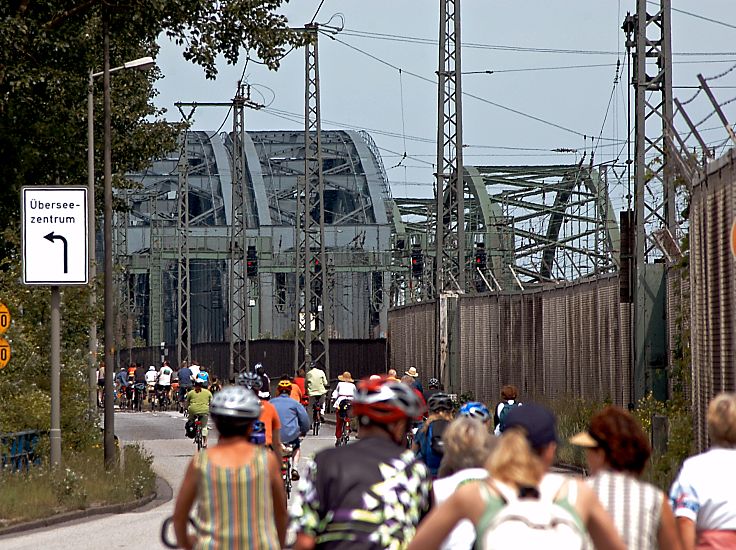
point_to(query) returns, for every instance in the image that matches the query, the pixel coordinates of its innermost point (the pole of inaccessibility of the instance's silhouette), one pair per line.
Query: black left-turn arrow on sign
(51, 237)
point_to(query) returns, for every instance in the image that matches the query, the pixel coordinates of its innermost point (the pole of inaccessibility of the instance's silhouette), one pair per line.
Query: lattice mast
(449, 190)
(239, 285)
(312, 293)
(654, 191)
(183, 336)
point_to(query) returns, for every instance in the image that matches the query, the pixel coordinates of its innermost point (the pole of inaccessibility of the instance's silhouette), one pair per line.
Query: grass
(81, 483)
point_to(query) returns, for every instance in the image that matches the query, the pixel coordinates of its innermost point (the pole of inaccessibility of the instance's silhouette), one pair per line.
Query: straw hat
(412, 372)
(345, 377)
(584, 439)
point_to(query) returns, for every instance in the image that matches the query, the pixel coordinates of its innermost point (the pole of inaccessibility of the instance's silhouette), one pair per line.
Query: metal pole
(55, 377)
(92, 342)
(109, 429)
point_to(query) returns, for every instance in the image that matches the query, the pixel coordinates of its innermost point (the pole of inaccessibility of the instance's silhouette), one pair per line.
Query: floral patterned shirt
(369, 495)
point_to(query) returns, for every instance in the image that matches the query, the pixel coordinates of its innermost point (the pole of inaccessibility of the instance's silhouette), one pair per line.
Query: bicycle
(286, 466)
(316, 417)
(198, 438)
(344, 418)
(139, 396)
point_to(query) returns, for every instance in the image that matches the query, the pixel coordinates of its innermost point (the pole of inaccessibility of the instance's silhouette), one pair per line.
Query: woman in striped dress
(237, 486)
(617, 451)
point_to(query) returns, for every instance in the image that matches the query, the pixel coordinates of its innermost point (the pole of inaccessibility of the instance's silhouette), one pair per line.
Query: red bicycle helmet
(385, 401)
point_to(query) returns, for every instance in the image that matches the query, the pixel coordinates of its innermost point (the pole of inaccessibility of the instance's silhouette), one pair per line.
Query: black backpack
(435, 432)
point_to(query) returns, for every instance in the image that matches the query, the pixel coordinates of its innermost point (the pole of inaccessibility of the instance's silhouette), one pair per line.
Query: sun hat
(345, 377)
(538, 423)
(412, 372)
(584, 439)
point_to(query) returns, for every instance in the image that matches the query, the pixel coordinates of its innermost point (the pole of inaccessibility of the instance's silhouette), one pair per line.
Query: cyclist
(265, 380)
(204, 376)
(317, 388)
(164, 379)
(373, 493)
(342, 398)
(185, 381)
(121, 380)
(294, 421)
(428, 439)
(151, 377)
(300, 381)
(269, 417)
(433, 386)
(478, 411)
(198, 405)
(240, 500)
(139, 376)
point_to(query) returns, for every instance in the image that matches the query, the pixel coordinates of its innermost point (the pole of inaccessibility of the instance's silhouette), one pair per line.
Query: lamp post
(142, 63)
(109, 426)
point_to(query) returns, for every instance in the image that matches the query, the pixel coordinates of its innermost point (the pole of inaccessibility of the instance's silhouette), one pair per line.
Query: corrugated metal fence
(360, 357)
(713, 286)
(565, 340)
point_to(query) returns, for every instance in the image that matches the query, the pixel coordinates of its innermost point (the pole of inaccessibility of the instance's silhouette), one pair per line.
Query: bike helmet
(284, 386)
(151, 368)
(439, 402)
(235, 402)
(475, 409)
(259, 368)
(433, 383)
(250, 380)
(385, 401)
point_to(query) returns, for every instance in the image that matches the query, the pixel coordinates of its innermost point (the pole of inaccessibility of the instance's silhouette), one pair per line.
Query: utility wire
(481, 99)
(697, 16)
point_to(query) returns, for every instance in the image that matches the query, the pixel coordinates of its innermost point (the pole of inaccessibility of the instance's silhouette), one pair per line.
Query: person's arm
(279, 497)
(440, 522)
(687, 532)
(184, 503)
(600, 526)
(668, 536)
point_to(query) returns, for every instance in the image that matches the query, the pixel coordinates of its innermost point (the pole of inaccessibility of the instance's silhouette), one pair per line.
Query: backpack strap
(563, 491)
(492, 505)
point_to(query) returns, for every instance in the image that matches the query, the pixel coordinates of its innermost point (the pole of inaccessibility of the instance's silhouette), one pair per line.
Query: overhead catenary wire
(473, 96)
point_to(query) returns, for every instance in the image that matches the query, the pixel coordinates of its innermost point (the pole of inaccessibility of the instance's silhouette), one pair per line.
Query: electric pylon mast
(183, 340)
(449, 190)
(311, 285)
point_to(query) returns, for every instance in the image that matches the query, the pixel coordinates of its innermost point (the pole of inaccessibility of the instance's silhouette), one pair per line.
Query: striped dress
(635, 507)
(234, 505)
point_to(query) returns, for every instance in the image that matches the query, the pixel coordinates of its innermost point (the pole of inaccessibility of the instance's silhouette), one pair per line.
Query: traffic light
(251, 261)
(481, 257)
(317, 267)
(417, 260)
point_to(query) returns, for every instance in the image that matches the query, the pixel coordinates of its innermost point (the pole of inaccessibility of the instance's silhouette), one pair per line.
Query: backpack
(532, 523)
(507, 407)
(431, 448)
(190, 429)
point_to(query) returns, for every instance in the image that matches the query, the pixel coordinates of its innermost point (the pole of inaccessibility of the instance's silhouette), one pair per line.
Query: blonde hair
(722, 420)
(467, 444)
(514, 462)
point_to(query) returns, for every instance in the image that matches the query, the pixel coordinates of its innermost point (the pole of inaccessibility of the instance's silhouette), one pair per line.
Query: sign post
(55, 244)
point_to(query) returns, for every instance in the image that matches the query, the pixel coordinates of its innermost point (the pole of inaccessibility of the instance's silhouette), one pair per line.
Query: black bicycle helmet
(433, 383)
(235, 402)
(439, 402)
(250, 380)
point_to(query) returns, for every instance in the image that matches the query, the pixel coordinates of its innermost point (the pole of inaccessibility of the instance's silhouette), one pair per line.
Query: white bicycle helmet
(235, 402)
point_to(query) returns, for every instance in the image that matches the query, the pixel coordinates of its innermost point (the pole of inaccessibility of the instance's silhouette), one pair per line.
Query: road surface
(162, 434)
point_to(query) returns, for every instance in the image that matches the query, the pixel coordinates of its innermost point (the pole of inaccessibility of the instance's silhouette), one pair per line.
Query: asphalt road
(162, 434)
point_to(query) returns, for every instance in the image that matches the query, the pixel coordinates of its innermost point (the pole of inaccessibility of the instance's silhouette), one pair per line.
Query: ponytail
(514, 462)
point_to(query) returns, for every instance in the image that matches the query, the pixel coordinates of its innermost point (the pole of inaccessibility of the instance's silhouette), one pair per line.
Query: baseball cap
(537, 421)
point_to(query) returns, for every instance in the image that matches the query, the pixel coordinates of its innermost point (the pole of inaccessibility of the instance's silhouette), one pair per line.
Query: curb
(163, 489)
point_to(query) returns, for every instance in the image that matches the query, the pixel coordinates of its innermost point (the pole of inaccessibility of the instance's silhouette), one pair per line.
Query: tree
(47, 48)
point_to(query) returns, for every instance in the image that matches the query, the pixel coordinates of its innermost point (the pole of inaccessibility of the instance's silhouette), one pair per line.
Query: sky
(531, 104)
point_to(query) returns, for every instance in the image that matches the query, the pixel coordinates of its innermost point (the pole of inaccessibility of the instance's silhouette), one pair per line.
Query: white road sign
(55, 235)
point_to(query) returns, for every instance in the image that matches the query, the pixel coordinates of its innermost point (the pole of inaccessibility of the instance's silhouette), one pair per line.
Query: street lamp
(141, 64)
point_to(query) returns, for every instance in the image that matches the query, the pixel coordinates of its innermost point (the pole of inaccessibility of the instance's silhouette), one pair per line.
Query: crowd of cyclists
(423, 471)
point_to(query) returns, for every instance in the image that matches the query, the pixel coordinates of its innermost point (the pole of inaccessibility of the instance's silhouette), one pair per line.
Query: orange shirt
(270, 419)
(296, 393)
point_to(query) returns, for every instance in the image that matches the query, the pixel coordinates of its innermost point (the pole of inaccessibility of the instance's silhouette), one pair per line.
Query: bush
(44, 491)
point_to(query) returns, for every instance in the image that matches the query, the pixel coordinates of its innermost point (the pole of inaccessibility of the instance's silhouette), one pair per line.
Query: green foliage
(573, 416)
(84, 482)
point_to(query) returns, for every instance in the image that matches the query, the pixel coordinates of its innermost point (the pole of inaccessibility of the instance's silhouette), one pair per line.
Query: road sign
(55, 229)
(4, 318)
(4, 352)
